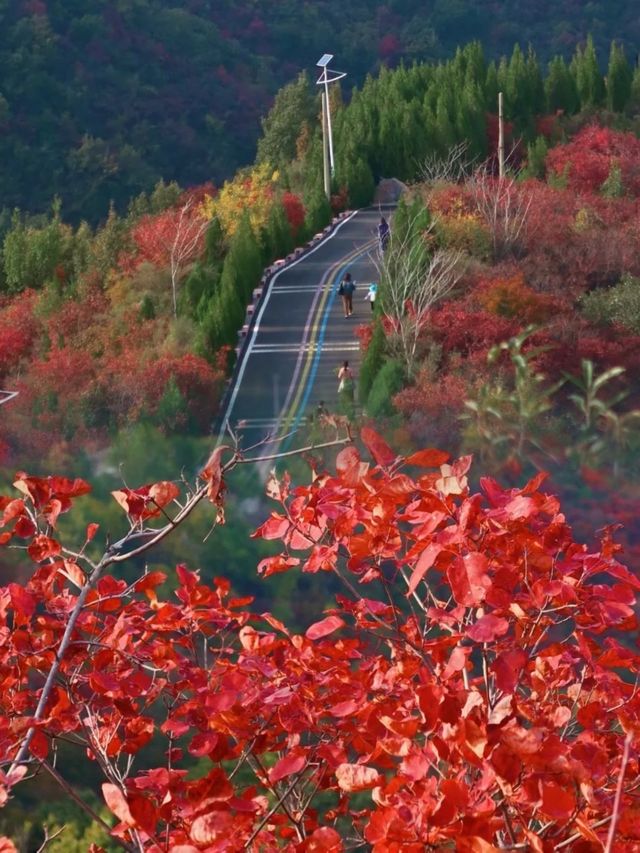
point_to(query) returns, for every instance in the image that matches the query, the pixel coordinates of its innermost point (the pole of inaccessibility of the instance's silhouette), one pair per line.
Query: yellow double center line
(329, 284)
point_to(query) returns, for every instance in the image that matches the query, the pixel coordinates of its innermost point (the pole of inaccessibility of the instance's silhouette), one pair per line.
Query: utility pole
(327, 133)
(328, 172)
(500, 136)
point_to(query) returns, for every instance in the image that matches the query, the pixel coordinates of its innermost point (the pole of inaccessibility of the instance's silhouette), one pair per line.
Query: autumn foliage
(472, 687)
(587, 160)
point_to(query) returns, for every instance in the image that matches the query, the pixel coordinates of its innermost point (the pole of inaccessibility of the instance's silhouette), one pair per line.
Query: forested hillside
(435, 659)
(98, 103)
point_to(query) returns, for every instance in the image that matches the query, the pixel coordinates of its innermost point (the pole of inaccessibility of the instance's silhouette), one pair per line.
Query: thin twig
(67, 788)
(616, 802)
(48, 838)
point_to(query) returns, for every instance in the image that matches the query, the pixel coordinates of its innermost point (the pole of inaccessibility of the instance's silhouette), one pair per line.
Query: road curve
(300, 335)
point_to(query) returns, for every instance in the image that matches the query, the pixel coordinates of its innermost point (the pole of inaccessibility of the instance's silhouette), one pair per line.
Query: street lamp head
(324, 60)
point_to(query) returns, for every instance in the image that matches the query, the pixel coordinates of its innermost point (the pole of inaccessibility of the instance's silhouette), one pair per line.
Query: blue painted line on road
(316, 360)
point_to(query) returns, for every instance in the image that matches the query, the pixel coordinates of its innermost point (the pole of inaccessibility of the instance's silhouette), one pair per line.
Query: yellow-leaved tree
(251, 189)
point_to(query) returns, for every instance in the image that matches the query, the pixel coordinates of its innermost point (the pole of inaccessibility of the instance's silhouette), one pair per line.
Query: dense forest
(97, 105)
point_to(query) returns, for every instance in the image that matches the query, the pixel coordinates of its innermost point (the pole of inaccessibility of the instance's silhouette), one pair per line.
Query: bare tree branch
(189, 233)
(504, 205)
(413, 278)
(455, 167)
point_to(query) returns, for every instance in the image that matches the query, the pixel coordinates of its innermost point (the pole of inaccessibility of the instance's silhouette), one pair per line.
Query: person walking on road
(346, 391)
(347, 286)
(345, 380)
(384, 234)
(371, 294)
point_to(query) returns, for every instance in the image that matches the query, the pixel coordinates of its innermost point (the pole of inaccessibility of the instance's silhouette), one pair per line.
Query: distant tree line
(402, 117)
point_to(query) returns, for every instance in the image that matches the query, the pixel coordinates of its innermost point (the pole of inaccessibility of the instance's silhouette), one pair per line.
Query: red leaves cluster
(147, 501)
(154, 236)
(19, 329)
(467, 688)
(587, 159)
(294, 211)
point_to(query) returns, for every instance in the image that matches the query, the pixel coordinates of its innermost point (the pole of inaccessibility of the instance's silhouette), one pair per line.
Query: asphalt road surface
(301, 337)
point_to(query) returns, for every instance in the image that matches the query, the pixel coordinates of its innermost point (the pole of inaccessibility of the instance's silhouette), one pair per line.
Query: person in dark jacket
(347, 286)
(384, 234)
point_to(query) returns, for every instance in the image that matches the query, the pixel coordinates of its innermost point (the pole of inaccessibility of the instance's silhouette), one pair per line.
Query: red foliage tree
(19, 330)
(466, 689)
(169, 239)
(294, 211)
(588, 158)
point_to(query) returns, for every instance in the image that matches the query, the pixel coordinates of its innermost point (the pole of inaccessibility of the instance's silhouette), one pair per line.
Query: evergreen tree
(536, 158)
(360, 183)
(81, 251)
(215, 247)
(294, 106)
(32, 254)
(109, 242)
(586, 72)
(619, 79)
(445, 131)
(228, 315)
(535, 84)
(471, 123)
(491, 88)
(635, 88)
(390, 141)
(243, 263)
(318, 211)
(373, 360)
(199, 288)
(523, 91)
(277, 240)
(476, 65)
(560, 88)
(613, 186)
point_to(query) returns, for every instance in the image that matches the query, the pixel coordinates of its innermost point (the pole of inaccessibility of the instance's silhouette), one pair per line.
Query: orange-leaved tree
(473, 688)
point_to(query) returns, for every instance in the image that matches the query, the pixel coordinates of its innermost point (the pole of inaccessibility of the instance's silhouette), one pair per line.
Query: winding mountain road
(300, 335)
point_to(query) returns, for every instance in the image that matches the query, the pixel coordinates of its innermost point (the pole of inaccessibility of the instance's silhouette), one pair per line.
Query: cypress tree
(277, 239)
(318, 211)
(389, 141)
(491, 88)
(586, 72)
(294, 105)
(619, 78)
(476, 65)
(560, 87)
(517, 91)
(536, 157)
(232, 303)
(215, 247)
(635, 87)
(360, 183)
(373, 360)
(243, 262)
(535, 84)
(470, 123)
(445, 132)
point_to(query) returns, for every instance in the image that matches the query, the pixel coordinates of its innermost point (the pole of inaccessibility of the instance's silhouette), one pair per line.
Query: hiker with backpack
(345, 290)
